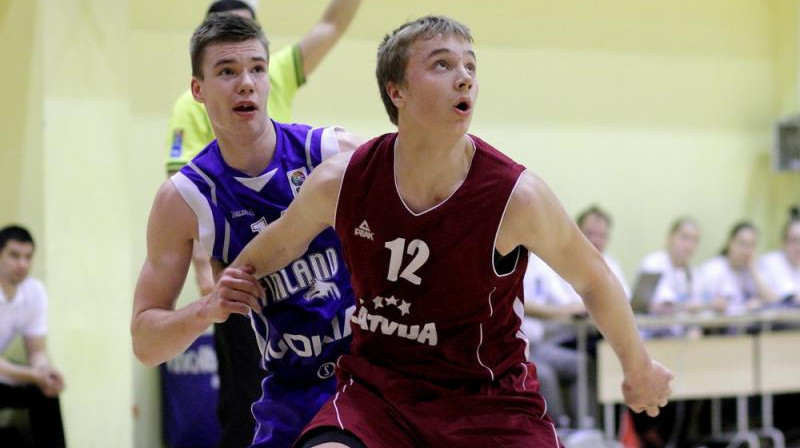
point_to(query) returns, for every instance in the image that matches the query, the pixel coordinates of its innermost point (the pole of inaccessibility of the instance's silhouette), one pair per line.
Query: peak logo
(364, 231)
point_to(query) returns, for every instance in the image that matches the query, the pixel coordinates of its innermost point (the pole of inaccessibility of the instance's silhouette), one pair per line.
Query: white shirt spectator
(676, 285)
(719, 279)
(543, 285)
(24, 314)
(779, 274)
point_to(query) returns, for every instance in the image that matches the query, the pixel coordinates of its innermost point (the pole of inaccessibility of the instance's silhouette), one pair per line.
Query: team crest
(296, 178)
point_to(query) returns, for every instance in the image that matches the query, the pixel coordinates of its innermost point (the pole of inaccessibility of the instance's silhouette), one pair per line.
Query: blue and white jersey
(304, 324)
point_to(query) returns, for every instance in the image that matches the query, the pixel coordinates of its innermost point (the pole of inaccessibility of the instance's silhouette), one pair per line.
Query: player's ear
(197, 92)
(396, 94)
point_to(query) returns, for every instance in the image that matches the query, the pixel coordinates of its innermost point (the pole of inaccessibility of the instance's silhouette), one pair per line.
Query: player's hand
(48, 380)
(647, 389)
(236, 291)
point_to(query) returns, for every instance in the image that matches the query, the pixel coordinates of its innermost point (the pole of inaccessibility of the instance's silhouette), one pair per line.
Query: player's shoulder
(33, 286)
(772, 258)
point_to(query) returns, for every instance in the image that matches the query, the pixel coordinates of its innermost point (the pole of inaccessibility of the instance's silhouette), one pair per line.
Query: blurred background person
(35, 385)
(730, 282)
(549, 301)
(781, 268)
(677, 286)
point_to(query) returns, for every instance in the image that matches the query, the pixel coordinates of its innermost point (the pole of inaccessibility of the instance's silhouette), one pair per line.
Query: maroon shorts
(507, 413)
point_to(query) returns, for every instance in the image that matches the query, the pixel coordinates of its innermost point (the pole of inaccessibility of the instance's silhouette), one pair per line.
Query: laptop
(643, 291)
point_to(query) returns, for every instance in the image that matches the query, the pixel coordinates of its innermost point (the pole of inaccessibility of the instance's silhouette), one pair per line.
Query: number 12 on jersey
(418, 249)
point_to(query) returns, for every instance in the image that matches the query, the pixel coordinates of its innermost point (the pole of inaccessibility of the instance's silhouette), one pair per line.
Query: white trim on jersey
(309, 134)
(262, 342)
(480, 342)
(519, 311)
(257, 183)
(329, 144)
(199, 205)
(497, 233)
(397, 189)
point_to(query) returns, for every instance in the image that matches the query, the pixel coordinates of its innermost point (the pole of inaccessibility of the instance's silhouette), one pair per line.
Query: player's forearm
(613, 316)
(38, 359)
(20, 373)
(270, 251)
(340, 13)
(160, 334)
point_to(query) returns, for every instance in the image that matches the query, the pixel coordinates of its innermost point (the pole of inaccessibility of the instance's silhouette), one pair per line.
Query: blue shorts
(285, 409)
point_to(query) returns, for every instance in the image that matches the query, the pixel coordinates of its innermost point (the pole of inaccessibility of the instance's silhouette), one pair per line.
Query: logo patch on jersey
(177, 143)
(239, 213)
(321, 289)
(326, 370)
(363, 231)
(296, 178)
(259, 225)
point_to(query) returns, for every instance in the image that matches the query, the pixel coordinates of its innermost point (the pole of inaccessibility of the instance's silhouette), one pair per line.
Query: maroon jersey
(430, 304)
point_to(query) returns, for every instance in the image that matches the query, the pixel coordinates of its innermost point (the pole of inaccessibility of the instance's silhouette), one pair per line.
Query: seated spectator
(781, 268)
(676, 292)
(549, 300)
(595, 224)
(730, 283)
(549, 297)
(677, 286)
(34, 386)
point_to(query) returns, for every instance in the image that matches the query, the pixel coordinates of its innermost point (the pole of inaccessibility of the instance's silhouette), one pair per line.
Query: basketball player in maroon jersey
(435, 225)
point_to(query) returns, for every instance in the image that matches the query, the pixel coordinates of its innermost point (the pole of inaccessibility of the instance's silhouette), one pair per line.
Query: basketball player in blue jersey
(227, 194)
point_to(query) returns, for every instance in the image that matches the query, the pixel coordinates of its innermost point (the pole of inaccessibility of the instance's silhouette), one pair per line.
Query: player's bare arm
(348, 142)
(159, 331)
(323, 35)
(536, 219)
(312, 211)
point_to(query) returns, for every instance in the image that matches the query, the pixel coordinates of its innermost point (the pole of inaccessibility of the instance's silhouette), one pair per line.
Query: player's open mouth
(245, 107)
(463, 106)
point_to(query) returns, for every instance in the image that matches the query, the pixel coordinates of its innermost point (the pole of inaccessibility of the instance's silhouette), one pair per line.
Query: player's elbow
(144, 355)
(143, 349)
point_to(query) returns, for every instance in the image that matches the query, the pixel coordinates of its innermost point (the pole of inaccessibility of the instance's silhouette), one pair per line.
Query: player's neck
(249, 154)
(428, 171)
(9, 289)
(793, 262)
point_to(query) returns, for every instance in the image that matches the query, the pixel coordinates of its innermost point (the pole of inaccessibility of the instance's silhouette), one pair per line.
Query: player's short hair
(393, 51)
(15, 233)
(221, 6)
(593, 210)
(219, 28)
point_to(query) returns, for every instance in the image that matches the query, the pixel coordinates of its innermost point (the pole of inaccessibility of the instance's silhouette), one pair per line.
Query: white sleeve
(35, 322)
(329, 144)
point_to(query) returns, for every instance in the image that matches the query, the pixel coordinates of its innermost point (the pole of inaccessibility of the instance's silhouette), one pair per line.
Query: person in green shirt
(190, 131)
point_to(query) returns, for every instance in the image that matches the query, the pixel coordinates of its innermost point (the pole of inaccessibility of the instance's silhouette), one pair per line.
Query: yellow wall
(21, 118)
(652, 110)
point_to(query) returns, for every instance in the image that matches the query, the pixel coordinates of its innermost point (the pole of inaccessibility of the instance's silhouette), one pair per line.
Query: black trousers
(240, 376)
(44, 413)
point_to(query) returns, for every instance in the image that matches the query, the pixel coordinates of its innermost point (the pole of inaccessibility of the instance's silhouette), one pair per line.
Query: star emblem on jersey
(405, 308)
(364, 231)
(382, 322)
(387, 302)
